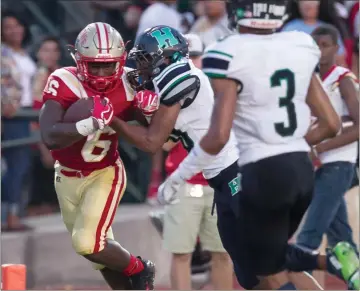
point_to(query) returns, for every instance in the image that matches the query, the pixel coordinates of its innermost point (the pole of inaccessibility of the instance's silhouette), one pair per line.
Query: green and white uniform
(183, 82)
(274, 73)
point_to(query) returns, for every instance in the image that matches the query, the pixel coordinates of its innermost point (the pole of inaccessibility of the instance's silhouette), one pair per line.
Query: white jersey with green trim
(194, 117)
(274, 73)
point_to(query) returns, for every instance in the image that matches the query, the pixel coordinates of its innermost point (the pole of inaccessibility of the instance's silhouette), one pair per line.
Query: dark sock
(135, 266)
(116, 280)
(299, 258)
(288, 286)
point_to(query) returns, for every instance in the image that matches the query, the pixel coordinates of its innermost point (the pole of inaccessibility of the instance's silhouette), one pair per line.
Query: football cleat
(344, 263)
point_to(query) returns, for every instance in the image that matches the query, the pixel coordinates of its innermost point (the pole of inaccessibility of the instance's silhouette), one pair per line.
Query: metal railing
(33, 115)
(22, 114)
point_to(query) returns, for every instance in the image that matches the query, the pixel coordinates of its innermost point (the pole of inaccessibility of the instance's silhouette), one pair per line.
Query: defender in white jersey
(186, 101)
(264, 84)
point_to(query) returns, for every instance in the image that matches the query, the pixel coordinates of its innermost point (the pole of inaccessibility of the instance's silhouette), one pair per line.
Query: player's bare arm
(328, 121)
(225, 91)
(56, 134)
(151, 138)
(349, 134)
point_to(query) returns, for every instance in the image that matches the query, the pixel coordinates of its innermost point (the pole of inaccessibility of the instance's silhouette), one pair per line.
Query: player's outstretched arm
(56, 134)
(349, 134)
(151, 138)
(328, 124)
(218, 134)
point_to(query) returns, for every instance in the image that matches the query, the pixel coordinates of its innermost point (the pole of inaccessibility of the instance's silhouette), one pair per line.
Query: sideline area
(52, 265)
(50, 260)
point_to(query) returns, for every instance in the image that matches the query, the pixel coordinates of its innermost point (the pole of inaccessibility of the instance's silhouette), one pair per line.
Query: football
(80, 110)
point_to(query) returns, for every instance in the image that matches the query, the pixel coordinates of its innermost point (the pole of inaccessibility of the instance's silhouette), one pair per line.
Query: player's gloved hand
(103, 111)
(168, 192)
(101, 115)
(148, 102)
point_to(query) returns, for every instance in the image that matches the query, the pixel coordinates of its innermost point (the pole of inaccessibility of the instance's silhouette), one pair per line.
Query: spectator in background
(14, 34)
(188, 20)
(42, 195)
(213, 25)
(11, 89)
(110, 11)
(327, 213)
(192, 216)
(122, 15)
(307, 15)
(10, 99)
(199, 9)
(339, 18)
(48, 56)
(133, 14)
(160, 12)
(354, 27)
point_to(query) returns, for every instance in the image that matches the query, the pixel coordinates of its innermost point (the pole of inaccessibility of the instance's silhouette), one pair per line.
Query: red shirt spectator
(354, 20)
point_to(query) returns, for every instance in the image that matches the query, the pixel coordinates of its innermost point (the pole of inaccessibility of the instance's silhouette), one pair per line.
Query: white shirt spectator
(28, 68)
(209, 33)
(196, 47)
(159, 14)
(341, 10)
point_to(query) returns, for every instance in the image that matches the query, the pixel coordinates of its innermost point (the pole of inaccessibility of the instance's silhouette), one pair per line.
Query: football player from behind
(186, 101)
(266, 95)
(90, 178)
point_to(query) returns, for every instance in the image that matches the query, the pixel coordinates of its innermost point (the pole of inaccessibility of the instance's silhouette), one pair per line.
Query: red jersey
(96, 151)
(173, 160)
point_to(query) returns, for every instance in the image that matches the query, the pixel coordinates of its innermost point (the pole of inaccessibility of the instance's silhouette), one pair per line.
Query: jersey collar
(328, 72)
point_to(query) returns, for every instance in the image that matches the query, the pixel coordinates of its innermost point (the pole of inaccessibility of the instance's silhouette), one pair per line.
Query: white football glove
(168, 192)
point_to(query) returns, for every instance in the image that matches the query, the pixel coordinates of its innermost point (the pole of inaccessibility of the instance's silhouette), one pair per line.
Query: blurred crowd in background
(34, 38)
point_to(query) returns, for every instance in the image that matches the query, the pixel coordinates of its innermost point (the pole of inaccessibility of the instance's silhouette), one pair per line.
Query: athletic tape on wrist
(85, 127)
(195, 162)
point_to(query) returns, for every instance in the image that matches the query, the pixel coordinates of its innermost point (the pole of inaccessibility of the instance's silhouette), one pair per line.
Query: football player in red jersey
(90, 178)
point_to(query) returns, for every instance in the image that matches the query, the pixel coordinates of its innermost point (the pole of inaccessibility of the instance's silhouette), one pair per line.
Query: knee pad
(299, 258)
(83, 242)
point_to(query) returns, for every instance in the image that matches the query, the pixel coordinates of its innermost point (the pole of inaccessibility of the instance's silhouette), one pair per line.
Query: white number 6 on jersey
(95, 142)
(52, 87)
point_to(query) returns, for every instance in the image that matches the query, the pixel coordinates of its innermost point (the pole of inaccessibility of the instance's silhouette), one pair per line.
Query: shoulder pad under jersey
(175, 83)
(64, 87)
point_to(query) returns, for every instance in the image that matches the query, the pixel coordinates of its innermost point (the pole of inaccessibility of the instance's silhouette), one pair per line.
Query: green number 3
(286, 101)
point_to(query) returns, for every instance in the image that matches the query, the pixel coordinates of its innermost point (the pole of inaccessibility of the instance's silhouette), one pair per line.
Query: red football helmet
(97, 45)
